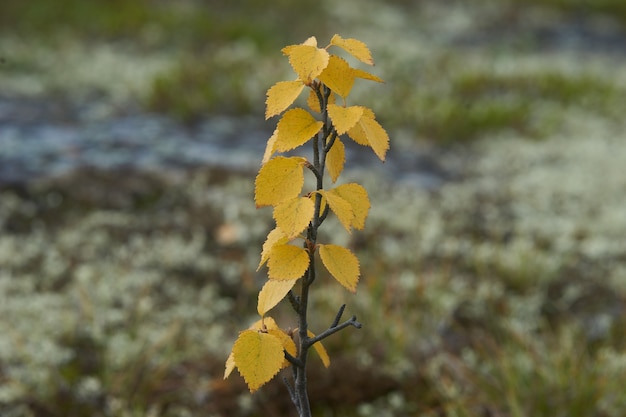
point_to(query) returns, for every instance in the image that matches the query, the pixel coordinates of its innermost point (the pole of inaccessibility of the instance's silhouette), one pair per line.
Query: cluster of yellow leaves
(258, 353)
(297, 126)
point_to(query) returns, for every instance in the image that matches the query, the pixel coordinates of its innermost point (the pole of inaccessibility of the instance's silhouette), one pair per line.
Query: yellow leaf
(338, 76)
(344, 118)
(367, 76)
(269, 148)
(308, 61)
(281, 95)
(275, 237)
(335, 158)
(266, 323)
(314, 103)
(287, 262)
(288, 344)
(342, 265)
(321, 350)
(354, 47)
(356, 195)
(295, 128)
(341, 208)
(293, 216)
(258, 356)
(368, 132)
(279, 179)
(272, 293)
(311, 41)
(230, 365)
(322, 202)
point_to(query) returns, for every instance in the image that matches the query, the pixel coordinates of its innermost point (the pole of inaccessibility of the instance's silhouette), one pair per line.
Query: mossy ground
(500, 293)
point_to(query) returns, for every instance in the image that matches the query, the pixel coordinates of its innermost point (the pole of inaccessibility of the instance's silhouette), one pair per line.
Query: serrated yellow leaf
(354, 47)
(265, 323)
(269, 148)
(321, 350)
(275, 237)
(288, 344)
(367, 76)
(272, 293)
(258, 356)
(356, 195)
(293, 216)
(369, 132)
(342, 265)
(338, 76)
(230, 365)
(282, 95)
(311, 41)
(341, 208)
(287, 262)
(344, 118)
(313, 102)
(295, 128)
(322, 202)
(335, 159)
(279, 179)
(308, 61)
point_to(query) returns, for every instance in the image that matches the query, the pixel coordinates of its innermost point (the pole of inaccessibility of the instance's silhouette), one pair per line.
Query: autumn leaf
(269, 148)
(307, 60)
(281, 95)
(366, 75)
(338, 76)
(354, 47)
(258, 357)
(293, 216)
(311, 41)
(265, 323)
(287, 262)
(287, 342)
(279, 179)
(230, 365)
(272, 293)
(356, 195)
(369, 132)
(344, 118)
(295, 128)
(314, 103)
(321, 350)
(335, 159)
(341, 208)
(360, 138)
(275, 237)
(342, 265)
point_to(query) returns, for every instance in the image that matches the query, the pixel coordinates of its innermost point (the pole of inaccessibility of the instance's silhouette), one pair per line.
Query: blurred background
(493, 260)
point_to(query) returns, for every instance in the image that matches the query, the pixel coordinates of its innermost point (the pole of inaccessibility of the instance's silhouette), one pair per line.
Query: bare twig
(332, 330)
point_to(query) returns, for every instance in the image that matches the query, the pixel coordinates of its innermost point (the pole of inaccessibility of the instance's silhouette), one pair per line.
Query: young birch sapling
(264, 349)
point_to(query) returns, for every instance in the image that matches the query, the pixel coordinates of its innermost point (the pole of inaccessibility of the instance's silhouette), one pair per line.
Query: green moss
(204, 86)
(169, 23)
(204, 81)
(457, 104)
(615, 9)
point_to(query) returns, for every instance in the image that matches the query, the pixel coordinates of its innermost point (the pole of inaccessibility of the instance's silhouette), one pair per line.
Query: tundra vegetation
(503, 289)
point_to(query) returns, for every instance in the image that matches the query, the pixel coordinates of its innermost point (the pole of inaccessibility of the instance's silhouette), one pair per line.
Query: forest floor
(493, 261)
